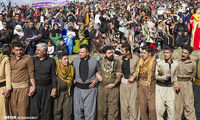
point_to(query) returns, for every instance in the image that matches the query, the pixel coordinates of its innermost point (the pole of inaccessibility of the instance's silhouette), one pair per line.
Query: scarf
(21, 33)
(87, 18)
(144, 67)
(81, 32)
(1, 57)
(197, 19)
(66, 74)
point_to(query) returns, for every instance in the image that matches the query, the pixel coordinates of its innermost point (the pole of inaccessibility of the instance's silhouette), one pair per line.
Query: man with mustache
(108, 89)
(185, 97)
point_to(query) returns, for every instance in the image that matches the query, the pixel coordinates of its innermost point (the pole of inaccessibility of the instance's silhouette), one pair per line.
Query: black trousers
(196, 90)
(41, 103)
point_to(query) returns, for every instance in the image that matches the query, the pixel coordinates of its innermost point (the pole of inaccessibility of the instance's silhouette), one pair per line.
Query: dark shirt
(45, 33)
(14, 23)
(83, 69)
(62, 48)
(70, 18)
(45, 72)
(169, 80)
(31, 32)
(126, 68)
(5, 36)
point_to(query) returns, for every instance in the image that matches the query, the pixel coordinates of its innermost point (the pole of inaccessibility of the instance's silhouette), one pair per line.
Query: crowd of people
(127, 81)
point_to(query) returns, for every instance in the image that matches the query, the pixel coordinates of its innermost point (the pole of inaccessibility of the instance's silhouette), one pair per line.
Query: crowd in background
(100, 23)
(126, 81)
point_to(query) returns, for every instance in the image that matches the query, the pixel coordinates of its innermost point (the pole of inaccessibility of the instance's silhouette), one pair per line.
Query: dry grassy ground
(177, 54)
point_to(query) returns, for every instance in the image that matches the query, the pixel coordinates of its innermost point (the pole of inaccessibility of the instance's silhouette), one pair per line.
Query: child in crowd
(62, 47)
(51, 49)
(69, 40)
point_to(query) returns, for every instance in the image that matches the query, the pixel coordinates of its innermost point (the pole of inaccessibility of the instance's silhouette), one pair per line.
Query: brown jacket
(22, 69)
(186, 70)
(109, 77)
(5, 72)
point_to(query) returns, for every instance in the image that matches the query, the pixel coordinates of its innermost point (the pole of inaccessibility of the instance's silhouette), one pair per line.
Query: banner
(49, 4)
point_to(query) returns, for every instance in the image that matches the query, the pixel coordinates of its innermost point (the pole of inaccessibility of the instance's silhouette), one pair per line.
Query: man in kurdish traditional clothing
(196, 88)
(185, 96)
(41, 103)
(22, 73)
(85, 91)
(166, 85)
(108, 89)
(145, 73)
(128, 87)
(5, 84)
(63, 101)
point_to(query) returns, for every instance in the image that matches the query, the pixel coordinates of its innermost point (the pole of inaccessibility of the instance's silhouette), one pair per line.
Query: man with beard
(85, 91)
(185, 97)
(128, 87)
(166, 85)
(108, 89)
(145, 74)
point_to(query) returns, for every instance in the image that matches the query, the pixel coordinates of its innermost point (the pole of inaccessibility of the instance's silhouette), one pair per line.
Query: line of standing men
(34, 85)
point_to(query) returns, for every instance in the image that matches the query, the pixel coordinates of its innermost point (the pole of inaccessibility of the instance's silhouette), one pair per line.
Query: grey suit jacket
(93, 68)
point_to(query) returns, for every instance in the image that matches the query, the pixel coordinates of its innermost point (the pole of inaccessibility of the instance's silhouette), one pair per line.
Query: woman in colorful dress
(195, 36)
(83, 37)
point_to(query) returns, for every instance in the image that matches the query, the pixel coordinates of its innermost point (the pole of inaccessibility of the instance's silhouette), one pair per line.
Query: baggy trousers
(107, 103)
(129, 103)
(196, 89)
(165, 99)
(41, 103)
(63, 106)
(19, 102)
(3, 105)
(147, 101)
(185, 101)
(85, 103)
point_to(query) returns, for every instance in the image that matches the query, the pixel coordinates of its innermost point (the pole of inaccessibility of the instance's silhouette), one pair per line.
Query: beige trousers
(185, 101)
(3, 104)
(165, 99)
(107, 103)
(129, 101)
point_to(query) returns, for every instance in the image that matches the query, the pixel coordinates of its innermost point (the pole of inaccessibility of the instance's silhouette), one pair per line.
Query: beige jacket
(5, 72)
(165, 68)
(133, 64)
